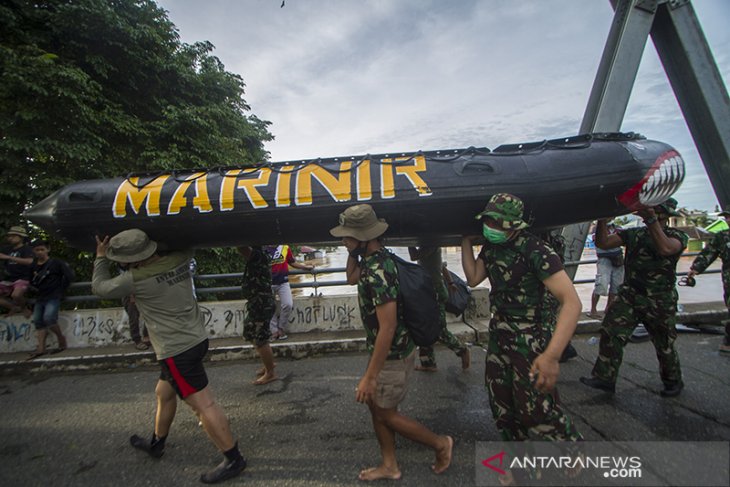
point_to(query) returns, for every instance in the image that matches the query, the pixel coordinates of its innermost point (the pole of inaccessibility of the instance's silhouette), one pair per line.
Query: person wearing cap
(18, 271)
(383, 386)
(430, 259)
(522, 364)
(648, 295)
(162, 286)
(719, 246)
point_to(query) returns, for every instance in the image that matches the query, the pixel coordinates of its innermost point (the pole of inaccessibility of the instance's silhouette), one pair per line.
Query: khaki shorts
(392, 382)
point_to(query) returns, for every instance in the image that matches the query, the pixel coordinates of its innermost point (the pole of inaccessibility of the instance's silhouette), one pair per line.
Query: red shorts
(185, 370)
(7, 287)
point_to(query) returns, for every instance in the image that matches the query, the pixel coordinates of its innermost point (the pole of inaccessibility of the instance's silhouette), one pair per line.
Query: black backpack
(458, 295)
(419, 303)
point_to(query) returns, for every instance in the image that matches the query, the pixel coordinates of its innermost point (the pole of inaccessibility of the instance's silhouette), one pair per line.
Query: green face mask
(494, 236)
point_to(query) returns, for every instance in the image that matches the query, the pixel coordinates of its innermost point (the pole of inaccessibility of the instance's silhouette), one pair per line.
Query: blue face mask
(494, 236)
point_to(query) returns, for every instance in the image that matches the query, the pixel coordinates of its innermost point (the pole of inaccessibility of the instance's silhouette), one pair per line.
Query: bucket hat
(17, 230)
(669, 207)
(506, 209)
(130, 246)
(359, 222)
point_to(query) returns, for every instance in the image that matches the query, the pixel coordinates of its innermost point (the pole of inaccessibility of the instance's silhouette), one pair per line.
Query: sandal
(141, 346)
(36, 354)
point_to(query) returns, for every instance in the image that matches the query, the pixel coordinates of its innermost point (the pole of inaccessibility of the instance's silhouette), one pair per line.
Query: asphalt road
(72, 429)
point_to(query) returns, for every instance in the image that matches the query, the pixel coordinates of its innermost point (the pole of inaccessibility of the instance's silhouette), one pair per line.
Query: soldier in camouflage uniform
(551, 305)
(260, 307)
(392, 351)
(648, 295)
(719, 246)
(430, 259)
(522, 364)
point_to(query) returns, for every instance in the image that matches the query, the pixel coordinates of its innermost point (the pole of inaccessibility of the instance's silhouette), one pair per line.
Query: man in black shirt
(50, 279)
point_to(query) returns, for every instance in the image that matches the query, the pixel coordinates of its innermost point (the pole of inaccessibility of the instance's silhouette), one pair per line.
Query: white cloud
(364, 76)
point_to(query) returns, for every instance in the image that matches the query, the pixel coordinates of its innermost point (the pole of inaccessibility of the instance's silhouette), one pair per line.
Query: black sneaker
(155, 451)
(672, 389)
(226, 470)
(569, 353)
(597, 383)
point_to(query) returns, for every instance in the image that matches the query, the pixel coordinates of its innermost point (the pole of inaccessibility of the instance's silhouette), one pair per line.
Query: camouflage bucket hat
(360, 223)
(669, 207)
(505, 209)
(130, 246)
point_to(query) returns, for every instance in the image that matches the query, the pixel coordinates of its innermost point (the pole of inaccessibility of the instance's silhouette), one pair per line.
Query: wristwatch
(650, 220)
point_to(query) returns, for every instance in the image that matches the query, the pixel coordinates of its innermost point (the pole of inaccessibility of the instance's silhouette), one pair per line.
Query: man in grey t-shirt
(162, 286)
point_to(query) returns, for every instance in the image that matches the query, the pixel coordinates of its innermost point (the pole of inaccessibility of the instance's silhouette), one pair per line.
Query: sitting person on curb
(430, 259)
(260, 308)
(392, 351)
(18, 272)
(51, 278)
(162, 286)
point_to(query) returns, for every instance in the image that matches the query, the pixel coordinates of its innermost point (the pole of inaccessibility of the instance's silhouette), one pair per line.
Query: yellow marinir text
(201, 202)
(130, 190)
(337, 183)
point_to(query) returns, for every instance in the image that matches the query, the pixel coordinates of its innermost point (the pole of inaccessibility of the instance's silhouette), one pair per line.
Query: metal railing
(313, 284)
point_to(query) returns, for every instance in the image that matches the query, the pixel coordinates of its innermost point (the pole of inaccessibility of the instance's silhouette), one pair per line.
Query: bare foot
(262, 371)
(424, 368)
(379, 473)
(465, 359)
(443, 456)
(265, 379)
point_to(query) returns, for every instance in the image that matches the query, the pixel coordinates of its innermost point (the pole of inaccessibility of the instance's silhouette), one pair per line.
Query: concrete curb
(299, 346)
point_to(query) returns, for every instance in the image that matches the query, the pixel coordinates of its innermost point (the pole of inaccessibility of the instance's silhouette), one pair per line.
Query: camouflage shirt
(516, 270)
(257, 276)
(379, 285)
(648, 272)
(719, 246)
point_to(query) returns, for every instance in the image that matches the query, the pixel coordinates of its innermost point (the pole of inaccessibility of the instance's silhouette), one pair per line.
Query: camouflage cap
(669, 207)
(360, 223)
(506, 209)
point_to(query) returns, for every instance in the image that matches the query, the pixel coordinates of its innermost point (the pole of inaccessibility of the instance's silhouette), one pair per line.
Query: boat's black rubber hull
(424, 197)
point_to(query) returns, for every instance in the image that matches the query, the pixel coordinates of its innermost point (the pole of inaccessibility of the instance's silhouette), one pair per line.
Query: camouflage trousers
(426, 354)
(259, 310)
(518, 408)
(659, 317)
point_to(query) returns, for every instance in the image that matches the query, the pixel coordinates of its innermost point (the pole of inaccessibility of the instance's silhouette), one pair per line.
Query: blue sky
(339, 77)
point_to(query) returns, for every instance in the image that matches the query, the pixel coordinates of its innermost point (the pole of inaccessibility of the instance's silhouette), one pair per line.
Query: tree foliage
(100, 88)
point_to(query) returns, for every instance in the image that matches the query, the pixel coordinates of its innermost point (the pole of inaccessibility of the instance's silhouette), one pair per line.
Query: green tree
(100, 88)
